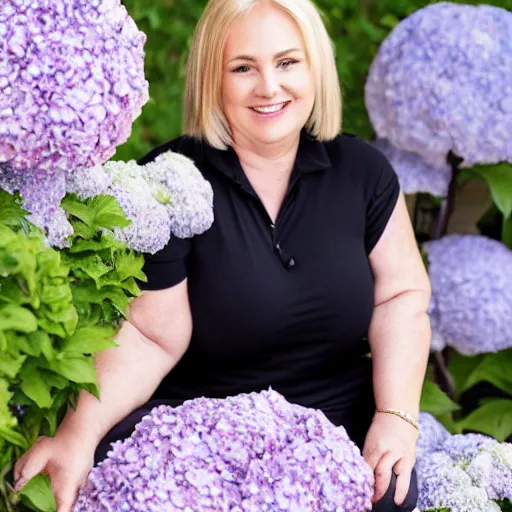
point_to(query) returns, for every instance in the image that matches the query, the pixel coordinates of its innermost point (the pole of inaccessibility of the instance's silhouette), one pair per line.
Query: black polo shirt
(285, 305)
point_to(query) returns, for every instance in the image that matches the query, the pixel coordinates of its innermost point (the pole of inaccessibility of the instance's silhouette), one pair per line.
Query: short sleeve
(384, 191)
(168, 266)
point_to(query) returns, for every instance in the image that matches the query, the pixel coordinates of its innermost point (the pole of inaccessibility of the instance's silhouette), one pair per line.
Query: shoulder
(351, 152)
(184, 145)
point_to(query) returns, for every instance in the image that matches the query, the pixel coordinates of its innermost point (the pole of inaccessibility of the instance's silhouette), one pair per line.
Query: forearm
(127, 377)
(399, 337)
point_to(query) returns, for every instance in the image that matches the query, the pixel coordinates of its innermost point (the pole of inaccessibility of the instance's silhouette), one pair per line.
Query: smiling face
(267, 86)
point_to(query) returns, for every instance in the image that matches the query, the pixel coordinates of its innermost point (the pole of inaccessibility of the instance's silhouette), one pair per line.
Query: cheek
(234, 90)
(301, 85)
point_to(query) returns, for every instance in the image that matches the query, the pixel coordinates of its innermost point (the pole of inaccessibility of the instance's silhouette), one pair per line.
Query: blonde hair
(203, 116)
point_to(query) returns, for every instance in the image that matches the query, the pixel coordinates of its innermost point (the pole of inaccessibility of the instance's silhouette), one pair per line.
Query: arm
(399, 337)
(399, 332)
(151, 342)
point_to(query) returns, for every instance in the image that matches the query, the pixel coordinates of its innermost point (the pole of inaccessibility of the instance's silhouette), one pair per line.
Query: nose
(268, 84)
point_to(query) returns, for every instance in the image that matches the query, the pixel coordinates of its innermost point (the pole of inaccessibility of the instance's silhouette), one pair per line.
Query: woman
(311, 263)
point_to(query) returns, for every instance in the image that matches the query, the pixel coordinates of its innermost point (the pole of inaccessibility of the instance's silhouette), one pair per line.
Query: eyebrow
(276, 56)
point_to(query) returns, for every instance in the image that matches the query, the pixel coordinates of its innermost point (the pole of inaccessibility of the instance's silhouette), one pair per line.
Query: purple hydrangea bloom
(71, 84)
(249, 453)
(413, 173)
(471, 302)
(190, 196)
(432, 435)
(465, 474)
(442, 80)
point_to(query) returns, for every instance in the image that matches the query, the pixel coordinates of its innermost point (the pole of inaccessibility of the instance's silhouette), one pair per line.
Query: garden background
(467, 392)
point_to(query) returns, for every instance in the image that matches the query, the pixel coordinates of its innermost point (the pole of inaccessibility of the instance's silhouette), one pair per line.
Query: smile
(270, 109)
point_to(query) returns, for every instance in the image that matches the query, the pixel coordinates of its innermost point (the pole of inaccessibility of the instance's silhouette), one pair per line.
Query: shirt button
(278, 247)
(291, 263)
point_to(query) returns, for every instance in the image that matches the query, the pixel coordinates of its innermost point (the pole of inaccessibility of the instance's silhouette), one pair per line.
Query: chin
(274, 134)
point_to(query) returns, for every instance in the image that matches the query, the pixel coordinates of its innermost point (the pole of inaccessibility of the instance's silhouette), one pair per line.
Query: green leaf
(67, 316)
(34, 386)
(109, 213)
(17, 319)
(76, 369)
(90, 340)
(42, 341)
(106, 242)
(99, 212)
(10, 365)
(52, 327)
(129, 264)
(6, 418)
(11, 213)
(38, 491)
(91, 264)
(87, 293)
(506, 232)
(461, 367)
(494, 418)
(55, 381)
(494, 368)
(13, 437)
(499, 180)
(435, 401)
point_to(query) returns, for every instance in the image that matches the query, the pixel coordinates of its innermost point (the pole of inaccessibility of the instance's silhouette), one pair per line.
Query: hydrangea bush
(463, 473)
(71, 84)
(441, 81)
(413, 173)
(248, 453)
(471, 306)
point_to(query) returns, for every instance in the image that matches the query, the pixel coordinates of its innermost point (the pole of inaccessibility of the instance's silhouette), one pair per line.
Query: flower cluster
(442, 80)
(249, 453)
(168, 196)
(471, 302)
(465, 473)
(71, 84)
(413, 173)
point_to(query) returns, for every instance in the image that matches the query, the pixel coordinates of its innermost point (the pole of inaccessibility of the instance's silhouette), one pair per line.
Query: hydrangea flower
(71, 84)
(413, 173)
(249, 453)
(432, 435)
(471, 302)
(442, 80)
(465, 473)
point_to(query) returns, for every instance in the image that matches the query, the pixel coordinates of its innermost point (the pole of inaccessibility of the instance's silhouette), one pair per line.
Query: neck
(278, 157)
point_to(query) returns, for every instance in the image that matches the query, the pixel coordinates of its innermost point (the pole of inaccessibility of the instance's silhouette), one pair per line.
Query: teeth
(271, 109)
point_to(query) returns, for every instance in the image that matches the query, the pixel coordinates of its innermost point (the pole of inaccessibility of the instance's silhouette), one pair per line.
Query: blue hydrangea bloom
(71, 84)
(432, 435)
(413, 173)
(471, 306)
(249, 453)
(442, 80)
(465, 473)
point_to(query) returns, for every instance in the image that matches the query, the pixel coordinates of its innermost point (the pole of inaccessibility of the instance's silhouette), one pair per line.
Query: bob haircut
(203, 115)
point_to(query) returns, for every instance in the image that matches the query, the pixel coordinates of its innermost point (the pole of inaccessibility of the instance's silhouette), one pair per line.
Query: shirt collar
(311, 157)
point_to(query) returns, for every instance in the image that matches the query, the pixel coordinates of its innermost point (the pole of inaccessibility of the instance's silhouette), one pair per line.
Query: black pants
(126, 427)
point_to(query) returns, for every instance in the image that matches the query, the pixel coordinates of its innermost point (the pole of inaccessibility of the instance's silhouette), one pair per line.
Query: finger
(383, 475)
(372, 457)
(31, 466)
(65, 494)
(403, 470)
(20, 463)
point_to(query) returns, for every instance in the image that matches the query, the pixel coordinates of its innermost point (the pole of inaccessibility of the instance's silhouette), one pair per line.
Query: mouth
(269, 110)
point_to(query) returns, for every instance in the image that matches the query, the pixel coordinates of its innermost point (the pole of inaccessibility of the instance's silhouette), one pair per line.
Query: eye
(287, 63)
(241, 69)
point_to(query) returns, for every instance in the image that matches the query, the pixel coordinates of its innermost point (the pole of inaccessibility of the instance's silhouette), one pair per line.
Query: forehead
(264, 30)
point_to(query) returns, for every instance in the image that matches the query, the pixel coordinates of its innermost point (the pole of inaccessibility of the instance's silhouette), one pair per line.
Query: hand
(67, 462)
(390, 445)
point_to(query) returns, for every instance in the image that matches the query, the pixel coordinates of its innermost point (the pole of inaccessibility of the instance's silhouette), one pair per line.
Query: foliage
(57, 309)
